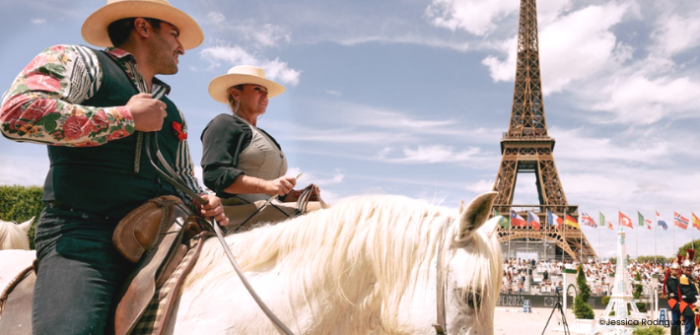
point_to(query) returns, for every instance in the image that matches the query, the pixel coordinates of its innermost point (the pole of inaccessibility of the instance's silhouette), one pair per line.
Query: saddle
(156, 234)
(246, 215)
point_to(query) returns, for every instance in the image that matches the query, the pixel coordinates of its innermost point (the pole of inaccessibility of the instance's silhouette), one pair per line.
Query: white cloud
(38, 21)
(236, 55)
(481, 186)
(676, 32)
(474, 16)
(435, 154)
(481, 17)
(216, 17)
(581, 37)
(640, 100)
(311, 178)
(333, 93)
(261, 35)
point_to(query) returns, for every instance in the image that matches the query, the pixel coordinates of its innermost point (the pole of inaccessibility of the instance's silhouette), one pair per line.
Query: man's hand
(212, 209)
(148, 113)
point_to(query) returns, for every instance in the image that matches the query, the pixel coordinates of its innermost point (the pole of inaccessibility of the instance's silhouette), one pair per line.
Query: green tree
(637, 287)
(582, 310)
(660, 259)
(21, 203)
(695, 245)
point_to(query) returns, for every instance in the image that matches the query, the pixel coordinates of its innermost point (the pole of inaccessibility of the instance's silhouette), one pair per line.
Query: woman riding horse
(241, 162)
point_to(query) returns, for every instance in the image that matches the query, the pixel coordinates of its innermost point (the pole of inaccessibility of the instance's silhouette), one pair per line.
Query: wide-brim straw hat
(94, 29)
(242, 74)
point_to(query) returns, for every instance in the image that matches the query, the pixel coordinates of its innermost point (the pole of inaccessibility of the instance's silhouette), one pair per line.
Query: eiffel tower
(527, 148)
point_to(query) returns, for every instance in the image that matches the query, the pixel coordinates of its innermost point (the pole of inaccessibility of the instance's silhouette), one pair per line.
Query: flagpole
(657, 228)
(674, 238)
(637, 239)
(546, 223)
(510, 234)
(564, 234)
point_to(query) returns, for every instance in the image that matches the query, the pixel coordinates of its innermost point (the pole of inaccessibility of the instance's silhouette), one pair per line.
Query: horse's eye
(473, 299)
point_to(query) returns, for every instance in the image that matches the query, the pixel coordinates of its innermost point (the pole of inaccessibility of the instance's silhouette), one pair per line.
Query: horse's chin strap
(441, 325)
(174, 179)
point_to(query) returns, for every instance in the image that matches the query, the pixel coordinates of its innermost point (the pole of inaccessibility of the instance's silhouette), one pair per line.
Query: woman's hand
(294, 195)
(279, 186)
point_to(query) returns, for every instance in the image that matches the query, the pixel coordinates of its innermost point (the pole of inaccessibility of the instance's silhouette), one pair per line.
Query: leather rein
(151, 140)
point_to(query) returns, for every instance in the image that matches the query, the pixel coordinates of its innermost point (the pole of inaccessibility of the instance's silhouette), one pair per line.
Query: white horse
(14, 236)
(368, 265)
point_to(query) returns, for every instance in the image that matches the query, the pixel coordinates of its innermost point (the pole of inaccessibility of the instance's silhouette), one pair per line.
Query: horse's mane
(382, 242)
(12, 236)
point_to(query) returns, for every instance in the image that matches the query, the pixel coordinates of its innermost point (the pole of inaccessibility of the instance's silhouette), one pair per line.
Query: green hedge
(650, 330)
(21, 203)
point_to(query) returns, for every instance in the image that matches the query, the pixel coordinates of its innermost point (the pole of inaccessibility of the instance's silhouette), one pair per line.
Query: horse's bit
(171, 177)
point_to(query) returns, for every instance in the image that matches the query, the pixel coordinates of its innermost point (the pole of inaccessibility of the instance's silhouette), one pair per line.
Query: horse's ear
(26, 225)
(477, 212)
(462, 206)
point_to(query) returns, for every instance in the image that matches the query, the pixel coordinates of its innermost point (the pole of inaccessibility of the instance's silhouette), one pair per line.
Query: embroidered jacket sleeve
(43, 105)
(223, 139)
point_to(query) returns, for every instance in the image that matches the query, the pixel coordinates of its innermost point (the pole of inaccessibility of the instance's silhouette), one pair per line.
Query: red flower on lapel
(180, 131)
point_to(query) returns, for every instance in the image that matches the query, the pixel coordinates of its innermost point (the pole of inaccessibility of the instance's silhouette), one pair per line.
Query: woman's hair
(232, 103)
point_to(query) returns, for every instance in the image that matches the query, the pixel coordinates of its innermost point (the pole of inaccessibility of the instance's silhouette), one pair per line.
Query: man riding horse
(93, 108)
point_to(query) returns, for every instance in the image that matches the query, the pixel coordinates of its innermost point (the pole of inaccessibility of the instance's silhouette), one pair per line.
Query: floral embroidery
(180, 131)
(43, 103)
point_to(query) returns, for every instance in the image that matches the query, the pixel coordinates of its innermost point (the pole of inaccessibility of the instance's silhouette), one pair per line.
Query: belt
(86, 215)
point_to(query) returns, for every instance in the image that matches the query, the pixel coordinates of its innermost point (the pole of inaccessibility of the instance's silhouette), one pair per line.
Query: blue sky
(412, 97)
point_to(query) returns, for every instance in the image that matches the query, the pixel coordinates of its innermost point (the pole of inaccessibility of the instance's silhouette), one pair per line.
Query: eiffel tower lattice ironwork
(527, 148)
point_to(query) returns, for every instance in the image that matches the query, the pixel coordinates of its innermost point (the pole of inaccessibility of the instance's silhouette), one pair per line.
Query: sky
(412, 97)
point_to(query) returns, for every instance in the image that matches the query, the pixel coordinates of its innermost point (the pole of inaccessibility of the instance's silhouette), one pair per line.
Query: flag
(570, 221)
(680, 221)
(588, 220)
(533, 220)
(601, 218)
(610, 226)
(553, 219)
(624, 220)
(648, 222)
(641, 218)
(517, 220)
(660, 221)
(503, 221)
(696, 221)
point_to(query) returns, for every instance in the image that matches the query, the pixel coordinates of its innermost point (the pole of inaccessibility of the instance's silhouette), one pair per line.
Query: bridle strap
(176, 181)
(441, 325)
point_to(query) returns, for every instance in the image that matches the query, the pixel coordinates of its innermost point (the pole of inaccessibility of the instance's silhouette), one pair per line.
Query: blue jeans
(689, 326)
(79, 273)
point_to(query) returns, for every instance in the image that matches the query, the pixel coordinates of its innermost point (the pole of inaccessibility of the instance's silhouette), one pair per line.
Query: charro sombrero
(94, 29)
(242, 74)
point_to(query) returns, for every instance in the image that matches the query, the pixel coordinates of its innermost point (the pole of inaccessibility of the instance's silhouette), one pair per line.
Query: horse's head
(472, 266)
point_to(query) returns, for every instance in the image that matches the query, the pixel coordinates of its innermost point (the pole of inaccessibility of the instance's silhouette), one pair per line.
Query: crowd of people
(545, 276)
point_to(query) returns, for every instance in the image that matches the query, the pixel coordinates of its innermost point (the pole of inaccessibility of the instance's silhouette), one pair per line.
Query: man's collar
(124, 55)
(119, 53)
